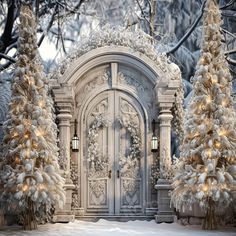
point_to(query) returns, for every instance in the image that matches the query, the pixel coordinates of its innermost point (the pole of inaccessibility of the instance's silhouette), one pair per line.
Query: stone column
(64, 118)
(64, 102)
(166, 89)
(165, 118)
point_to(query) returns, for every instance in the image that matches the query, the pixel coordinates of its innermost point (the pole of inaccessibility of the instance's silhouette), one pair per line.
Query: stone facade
(114, 92)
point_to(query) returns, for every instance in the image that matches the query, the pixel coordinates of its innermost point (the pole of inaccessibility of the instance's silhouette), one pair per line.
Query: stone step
(120, 218)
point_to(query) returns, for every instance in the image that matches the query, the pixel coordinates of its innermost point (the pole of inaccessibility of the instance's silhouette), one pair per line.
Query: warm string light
(17, 160)
(41, 103)
(15, 134)
(205, 187)
(39, 133)
(41, 187)
(222, 132)
(217, 144)
(208, 99)
(25, 187)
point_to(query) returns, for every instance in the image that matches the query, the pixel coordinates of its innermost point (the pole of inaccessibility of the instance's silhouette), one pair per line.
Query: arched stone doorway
(114, 92)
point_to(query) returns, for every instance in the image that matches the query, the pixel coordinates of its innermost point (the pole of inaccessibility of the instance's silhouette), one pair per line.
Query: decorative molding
(63, 156)
(75, 175)
(98, 192)
(98, 81)
(128, 80)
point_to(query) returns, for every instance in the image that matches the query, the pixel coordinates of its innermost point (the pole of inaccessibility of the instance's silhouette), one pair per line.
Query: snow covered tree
(206, 172)
(29, 164)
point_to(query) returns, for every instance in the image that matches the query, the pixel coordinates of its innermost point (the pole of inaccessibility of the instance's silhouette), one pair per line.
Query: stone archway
(113, 71)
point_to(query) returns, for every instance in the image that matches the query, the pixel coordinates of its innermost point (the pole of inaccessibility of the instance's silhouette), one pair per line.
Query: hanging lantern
(75, 140)
(154, 141)
(154, 144)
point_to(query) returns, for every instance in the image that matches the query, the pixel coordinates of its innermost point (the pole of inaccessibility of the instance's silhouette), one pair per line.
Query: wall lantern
(154, 141)
(75, 140)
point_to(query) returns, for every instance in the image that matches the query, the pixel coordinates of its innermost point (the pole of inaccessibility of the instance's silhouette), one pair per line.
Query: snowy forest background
(174, 25)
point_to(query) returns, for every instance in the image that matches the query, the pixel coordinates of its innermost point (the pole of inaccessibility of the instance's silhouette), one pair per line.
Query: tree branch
(11, 59)
(185, 37)
(230, 3)
(230, 52)
(49, 26)
(231, 61)
(6, 36)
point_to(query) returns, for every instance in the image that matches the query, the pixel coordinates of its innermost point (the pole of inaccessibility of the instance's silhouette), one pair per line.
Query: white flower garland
(95, 160)
(135, 147)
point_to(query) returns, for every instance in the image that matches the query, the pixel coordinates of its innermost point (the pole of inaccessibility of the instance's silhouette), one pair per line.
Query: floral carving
(62, 160)
(75, 180)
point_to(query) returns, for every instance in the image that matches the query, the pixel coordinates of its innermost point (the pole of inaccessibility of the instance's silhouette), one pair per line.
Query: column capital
(167, 86)
(64, 101)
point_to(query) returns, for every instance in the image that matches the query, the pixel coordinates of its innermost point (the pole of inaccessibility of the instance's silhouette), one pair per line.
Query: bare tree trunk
(29, 219)
(209, 222)
(152, 17)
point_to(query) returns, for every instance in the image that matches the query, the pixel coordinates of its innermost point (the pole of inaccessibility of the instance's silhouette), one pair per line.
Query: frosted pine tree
(206, 172)
(30, 170)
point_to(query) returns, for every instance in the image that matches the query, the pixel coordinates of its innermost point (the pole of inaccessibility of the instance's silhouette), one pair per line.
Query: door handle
(118, 174)
(109, 174)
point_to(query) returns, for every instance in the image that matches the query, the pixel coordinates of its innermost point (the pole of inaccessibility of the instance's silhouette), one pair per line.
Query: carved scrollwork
(143, 88)
(131, 196)
(97, 192)
(100, 80)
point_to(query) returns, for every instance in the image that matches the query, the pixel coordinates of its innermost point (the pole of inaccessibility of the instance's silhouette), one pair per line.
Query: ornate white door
(114, 155)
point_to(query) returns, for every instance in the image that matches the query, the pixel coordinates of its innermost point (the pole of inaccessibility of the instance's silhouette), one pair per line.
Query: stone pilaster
(63, 97)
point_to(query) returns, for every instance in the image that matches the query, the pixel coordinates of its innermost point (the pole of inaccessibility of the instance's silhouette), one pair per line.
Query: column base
(164, 218)
(165, 212)
(62, 217)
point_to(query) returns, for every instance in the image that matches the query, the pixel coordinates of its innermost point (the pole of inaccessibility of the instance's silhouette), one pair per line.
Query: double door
(114, 155)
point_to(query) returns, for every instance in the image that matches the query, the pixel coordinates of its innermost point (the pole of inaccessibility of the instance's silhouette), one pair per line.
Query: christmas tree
(206, 172)
(29, 165)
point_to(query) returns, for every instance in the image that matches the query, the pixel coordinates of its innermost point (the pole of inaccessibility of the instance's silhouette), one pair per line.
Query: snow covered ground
(112, 228)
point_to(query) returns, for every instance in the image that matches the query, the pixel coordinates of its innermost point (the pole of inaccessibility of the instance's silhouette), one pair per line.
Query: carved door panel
(99, 137)
(113, 155)
(128, 147)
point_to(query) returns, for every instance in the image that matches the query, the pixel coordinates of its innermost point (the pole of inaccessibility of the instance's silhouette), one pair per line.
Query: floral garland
(115, 36)
(132, 159)
(95, 160)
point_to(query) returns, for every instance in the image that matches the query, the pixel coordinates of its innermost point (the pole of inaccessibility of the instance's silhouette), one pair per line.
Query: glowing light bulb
(208, 152)
(208, 100)
(224, 103)
(41, 103)
(222, 132)
(17, 160)
(15, 134)
(217, 144)
(41, 187)
(25, 187)
(205, 187)
(38, 133)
